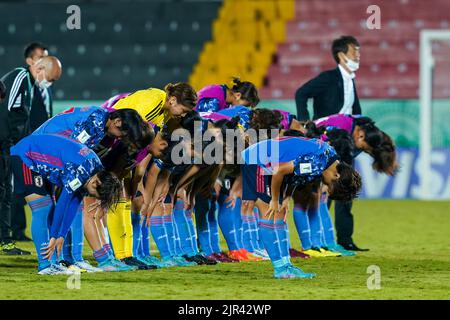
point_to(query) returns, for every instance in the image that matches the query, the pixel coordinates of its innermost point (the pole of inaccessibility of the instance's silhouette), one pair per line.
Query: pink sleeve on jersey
(213, 91)
(285, 122)
(214, 116)
(109, 104)
(341, 121)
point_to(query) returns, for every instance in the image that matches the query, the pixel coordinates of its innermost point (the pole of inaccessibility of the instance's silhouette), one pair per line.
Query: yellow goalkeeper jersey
(149, 103)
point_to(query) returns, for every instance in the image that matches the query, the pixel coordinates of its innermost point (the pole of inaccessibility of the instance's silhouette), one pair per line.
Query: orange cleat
(249, 256)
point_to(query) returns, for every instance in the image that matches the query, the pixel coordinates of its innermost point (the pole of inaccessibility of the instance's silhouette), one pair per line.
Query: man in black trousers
(41, 110)
(333, 92)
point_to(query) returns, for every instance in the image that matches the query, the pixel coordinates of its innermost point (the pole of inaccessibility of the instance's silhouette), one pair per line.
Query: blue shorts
(255, 184)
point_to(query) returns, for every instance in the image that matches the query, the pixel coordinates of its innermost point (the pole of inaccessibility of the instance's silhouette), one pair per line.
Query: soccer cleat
(169, 262)
(66, 270)
(85, 265)
(250, 256)
(225, 255)
(200, 259)
(261, 254)
(150, 265)
(320, 253)
(330, 253)
(10, 249)
(221, 257)
(114, 265)
(299, 273)
(339, 249)
(71, 267)
(154, 261)
(282, 273)
(132, 261)
(182, 262)
(53, 270)
(298, 254)
(237, 255)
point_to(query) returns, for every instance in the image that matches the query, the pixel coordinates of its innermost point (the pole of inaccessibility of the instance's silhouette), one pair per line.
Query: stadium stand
(390, 56)
(245, 38)
(160, 44)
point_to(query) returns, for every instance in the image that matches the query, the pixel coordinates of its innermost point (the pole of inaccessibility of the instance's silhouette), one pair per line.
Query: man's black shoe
(132, 261)
(21, 238)
(352, 247)
(10, 249)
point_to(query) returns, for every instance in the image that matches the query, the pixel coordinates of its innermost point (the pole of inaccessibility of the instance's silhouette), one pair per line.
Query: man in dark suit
(333, 92)
(41, 110)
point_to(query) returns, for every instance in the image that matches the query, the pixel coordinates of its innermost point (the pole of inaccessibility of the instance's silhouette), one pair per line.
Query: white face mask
(44, 84)
(352, 65)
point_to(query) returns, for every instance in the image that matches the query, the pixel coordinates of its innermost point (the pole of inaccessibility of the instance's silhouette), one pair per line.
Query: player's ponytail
(313, 131)
(183, 92)
(247, 90)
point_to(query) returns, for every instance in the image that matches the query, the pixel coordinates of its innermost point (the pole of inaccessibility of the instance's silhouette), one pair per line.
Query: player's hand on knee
(273, 209)
(47, 252)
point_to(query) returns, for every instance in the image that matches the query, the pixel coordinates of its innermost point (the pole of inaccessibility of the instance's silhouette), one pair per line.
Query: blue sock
(77, 232)
(247, 232)
(144, 248)
(137, 235)
(237, 220)
(328, 228)
(108, 249)
(214, 227)
(226, 222)
(283, 236)
(173, 235)
(201, 211)
(160, 236)
(193, 235)
(316, 227)
(101, 255)
(182, 221)
(260, 244)
(269, 236)
(301, 221)
(40, 210)
(66, 253)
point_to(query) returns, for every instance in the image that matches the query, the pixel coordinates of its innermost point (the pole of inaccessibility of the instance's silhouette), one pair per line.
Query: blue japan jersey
(310, 156)
(85, 125)
(65, 163)
(244, 114)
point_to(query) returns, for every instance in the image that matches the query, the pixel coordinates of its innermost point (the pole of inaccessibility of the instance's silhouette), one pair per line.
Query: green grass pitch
(409, 242)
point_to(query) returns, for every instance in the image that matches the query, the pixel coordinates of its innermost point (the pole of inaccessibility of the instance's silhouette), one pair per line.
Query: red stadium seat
(390, 56)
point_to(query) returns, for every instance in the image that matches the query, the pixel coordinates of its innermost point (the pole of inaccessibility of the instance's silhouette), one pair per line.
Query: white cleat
(85, 265)
(262, 254)
(55, 270)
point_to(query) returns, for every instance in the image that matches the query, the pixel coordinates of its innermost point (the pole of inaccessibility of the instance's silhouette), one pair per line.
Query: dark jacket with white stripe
(15, 109)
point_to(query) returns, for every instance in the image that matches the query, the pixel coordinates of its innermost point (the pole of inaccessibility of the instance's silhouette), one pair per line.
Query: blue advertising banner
(406, 183)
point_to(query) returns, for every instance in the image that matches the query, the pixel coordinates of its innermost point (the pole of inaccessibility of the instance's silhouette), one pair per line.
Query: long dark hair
(247, 90)
(137, 131)
(382, 146)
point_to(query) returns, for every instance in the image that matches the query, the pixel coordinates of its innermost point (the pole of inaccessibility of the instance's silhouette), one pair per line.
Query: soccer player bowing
(289, 163)
(51, 161)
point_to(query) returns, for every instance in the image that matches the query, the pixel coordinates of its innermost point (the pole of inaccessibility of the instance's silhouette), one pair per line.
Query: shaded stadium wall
(398, 118)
